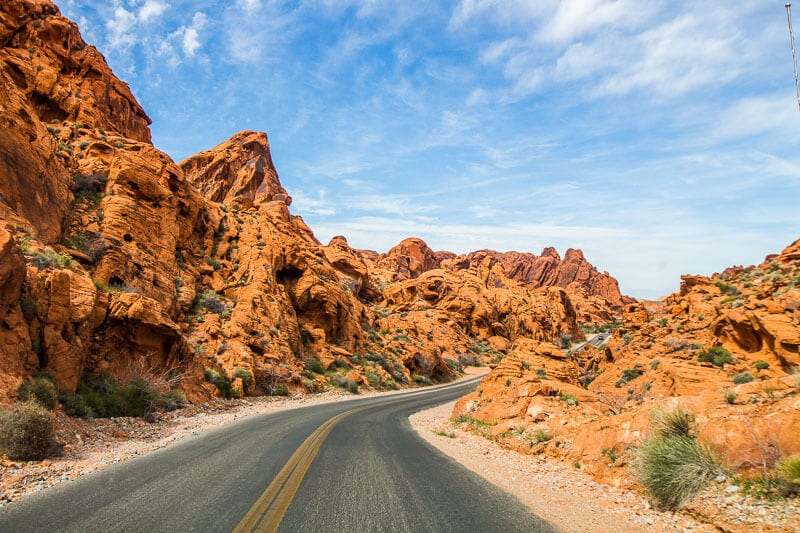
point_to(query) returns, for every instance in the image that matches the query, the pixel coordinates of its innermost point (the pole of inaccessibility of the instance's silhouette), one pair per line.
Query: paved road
(349, 466)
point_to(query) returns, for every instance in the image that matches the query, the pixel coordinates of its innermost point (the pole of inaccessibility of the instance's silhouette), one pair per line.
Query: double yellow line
(266, 514)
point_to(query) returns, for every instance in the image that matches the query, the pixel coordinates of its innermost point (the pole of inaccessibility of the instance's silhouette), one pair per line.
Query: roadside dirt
(573, 501)
(91, 444)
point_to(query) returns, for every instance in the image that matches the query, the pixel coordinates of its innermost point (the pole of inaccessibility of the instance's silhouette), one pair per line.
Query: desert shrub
(90, 243)
(41, 390)
(26, 431)
(346, 383)
(654, 362)
(245, 375)
(454, 365)
(390, 384)
(310, 385)
(671, 464)
(49, 258)
(171, 400)
(675, 422)
(726, 289)
(279, 389)
(716, 355)
(373, 378)
(211, 301)
(761, 365)
(219, 380)
(628, 375)
(743, 377)
(75, 405)
(90, 185)
(569, 399)
(730, 396)
(339, 363)
(675, 469)
(421, 380)
(788, 470)
(542, 435)
(136, 399)
(541, 373)
(315, 366)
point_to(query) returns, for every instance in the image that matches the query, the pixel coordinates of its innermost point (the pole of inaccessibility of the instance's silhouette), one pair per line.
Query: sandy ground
(566, 497)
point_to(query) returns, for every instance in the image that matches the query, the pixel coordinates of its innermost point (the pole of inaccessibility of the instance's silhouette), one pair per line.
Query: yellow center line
(267, 512)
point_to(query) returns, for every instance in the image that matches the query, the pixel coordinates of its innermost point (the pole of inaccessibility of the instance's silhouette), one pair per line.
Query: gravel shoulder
(87, 445)
(573, 501)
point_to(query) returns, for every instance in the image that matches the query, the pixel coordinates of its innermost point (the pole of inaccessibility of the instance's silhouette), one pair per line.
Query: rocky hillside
(725, 347)
(114, 258)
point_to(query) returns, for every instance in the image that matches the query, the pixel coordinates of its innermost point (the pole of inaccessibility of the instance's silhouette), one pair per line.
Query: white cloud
(683, 54)
(577, 18)
(151, 9)
(190, 40)
(120, 26)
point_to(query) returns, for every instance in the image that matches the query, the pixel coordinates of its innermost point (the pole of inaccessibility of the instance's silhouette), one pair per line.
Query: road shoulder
(561, 495)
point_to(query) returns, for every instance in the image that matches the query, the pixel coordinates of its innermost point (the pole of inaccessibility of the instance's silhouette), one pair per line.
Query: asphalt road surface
(348, 466)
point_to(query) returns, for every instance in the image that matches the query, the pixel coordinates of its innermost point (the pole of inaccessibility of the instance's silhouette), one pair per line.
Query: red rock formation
(652, 361)
(549, 270)
(409, 259)
(125, 256)
(239, 169)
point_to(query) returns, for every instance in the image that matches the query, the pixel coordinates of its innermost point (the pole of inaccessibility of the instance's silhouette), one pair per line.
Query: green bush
(102, 397)
(421, 380)
(245, 375)
(675, 422)
(92, 244)
(26, 431)
(390, 384)
(374, 378)
(279, 389)
(219, 380)
(569, 399)
(49, 258)
(761, 365)
(346, 384)
(730, 396)
(542, 435)
(675, 469)
(743, 377)
(315, 366)
(41, 390)
(716, 355)
(788, 470)
(628, 375)
(171, 400)
(211, 301)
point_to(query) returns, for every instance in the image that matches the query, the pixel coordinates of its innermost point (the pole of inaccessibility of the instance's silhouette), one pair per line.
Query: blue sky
(660, 137)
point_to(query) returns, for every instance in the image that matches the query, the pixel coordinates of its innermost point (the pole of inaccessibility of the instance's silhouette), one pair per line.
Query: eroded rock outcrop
(591, 406)
(123, 257)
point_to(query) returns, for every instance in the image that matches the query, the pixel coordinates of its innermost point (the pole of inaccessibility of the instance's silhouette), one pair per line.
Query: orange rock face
(596, 403)
(123, 256)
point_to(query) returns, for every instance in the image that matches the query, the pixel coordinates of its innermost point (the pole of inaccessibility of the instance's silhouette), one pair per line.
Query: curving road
(348, 466)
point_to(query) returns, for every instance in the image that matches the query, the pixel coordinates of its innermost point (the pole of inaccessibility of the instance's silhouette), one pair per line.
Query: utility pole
(794, 55)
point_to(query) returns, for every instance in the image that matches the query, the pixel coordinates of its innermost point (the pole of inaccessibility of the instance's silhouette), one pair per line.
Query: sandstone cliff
(112, 255)
(592, 406)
